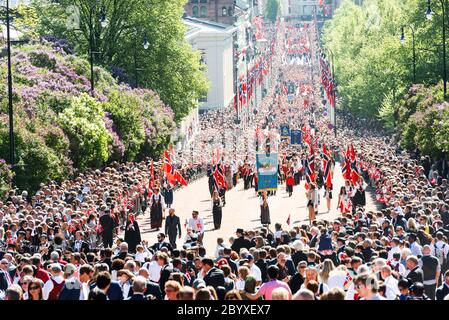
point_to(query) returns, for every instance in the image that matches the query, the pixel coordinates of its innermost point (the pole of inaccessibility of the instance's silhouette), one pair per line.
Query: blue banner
(285, 130)
(296, 137)
(267, 171)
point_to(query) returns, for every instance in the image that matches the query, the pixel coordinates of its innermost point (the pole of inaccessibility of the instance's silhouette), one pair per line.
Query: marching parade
(339, 211)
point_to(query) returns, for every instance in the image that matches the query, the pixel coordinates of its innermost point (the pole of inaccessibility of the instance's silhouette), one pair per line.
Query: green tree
(272, 10)
(170, 66)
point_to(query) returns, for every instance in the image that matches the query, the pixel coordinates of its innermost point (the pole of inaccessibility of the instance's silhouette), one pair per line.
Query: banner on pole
(267, 171)
(285, 130)
(296, 137)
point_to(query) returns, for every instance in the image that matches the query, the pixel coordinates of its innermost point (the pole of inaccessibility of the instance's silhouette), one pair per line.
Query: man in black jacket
(213, 276)
(161, 243)
(172, 227)
(152, 288)
(416, 274)
(166, 271)
(80, 245)
(240, 242)
(443, 290)
(107, 224)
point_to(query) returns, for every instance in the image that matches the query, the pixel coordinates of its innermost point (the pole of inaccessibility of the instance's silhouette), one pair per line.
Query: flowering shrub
(6, 176)
(124, 108)
(61, 129)
(424, 120)
(89, 138)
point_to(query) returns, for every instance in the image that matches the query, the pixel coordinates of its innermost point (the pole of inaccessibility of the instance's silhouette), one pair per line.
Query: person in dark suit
(416, 274)
(5, 279)
(123, 252)
(443, 290)
(240, 242)
(263, 265)
(139, 288)
(132, 233)
(172, 227)
(161, 243)
(152, 288)
(107, 224)
(227, 255)
(213, 276)
(299, 254)
(111, 287)
(166, 271)
(314, 237)
(79, 245)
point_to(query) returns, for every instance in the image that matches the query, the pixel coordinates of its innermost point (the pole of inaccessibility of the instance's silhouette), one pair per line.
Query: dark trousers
(107, 237)
(172, 240)
(429, 289)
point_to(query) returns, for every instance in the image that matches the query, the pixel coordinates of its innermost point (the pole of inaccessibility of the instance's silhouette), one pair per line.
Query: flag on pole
(288, 220)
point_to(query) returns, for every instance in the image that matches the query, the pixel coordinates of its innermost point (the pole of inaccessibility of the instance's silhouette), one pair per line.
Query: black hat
(240, 230)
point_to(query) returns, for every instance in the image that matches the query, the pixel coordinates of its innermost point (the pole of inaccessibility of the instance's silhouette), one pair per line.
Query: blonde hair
(328, 266)
(280, 294)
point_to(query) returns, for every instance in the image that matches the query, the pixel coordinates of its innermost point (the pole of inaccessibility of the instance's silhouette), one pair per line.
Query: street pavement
(242, 209)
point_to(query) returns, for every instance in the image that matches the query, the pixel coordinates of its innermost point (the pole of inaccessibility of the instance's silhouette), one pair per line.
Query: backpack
(439, 253)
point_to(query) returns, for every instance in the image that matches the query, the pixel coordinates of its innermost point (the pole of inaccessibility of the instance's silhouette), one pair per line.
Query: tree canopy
(169, 66)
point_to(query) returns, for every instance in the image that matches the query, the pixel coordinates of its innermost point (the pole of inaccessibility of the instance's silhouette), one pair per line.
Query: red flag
(288, 220)
(179, 178)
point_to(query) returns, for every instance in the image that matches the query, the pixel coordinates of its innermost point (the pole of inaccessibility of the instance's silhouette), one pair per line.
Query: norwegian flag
(355, 175)
(346, 169)
(172, 174)
(151, 181)
(350, 153)
(310, 169)
(219, 176)
(346, 208)
(348, 280)
(288, 220)
(326, 166)
(188, 278)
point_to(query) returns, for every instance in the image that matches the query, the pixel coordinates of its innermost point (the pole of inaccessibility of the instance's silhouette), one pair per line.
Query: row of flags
(327, 80)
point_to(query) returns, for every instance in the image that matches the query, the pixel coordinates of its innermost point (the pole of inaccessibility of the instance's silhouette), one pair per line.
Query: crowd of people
(80, 239)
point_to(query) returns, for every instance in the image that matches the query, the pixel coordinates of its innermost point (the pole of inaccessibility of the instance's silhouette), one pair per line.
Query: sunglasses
(33, 288)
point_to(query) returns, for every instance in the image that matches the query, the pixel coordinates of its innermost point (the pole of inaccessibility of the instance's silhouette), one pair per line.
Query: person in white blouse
(197, 225)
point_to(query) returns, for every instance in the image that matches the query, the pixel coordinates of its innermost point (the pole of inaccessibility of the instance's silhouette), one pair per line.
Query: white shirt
(416, 249)
(48, 286)
(156, 198)
(84, 292)
(392, 289)
(440, 244)
(255, 270)
(392, 251)
(155, 270)
(197, 225)
(141, 256)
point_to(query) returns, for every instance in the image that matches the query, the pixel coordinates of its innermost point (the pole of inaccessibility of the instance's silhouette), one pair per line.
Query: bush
(124, 107)
(424, 120)
(36, 162)
(6, 176)
(83, 123)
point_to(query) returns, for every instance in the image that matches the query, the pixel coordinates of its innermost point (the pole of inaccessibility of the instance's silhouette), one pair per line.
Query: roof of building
(196, 25)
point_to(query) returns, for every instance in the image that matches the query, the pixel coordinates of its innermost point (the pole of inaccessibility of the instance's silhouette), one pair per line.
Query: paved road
(242, 209)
